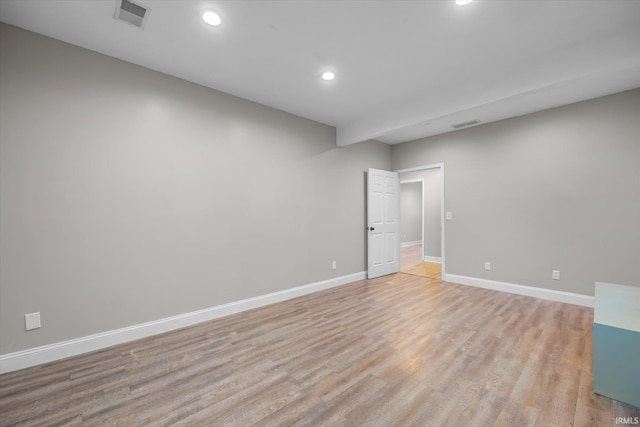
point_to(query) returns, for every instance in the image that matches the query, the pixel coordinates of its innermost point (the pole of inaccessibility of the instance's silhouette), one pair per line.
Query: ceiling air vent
(131, 13)
(466, 124)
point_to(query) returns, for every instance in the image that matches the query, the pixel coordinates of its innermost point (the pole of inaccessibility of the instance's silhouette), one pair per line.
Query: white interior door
(383, 228)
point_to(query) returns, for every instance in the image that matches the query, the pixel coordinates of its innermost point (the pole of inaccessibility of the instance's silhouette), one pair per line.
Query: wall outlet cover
(32, 321)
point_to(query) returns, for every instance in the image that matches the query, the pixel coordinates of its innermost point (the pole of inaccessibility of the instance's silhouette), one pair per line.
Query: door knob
(370, 228)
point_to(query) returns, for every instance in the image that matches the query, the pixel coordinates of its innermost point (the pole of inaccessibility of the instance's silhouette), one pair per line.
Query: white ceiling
(405, 69)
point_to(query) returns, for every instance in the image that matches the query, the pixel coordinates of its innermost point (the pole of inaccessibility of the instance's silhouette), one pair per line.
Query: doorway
(422, 221)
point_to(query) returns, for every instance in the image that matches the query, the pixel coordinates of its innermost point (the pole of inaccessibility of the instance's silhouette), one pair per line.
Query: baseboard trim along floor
(49, 353)
(548, 294)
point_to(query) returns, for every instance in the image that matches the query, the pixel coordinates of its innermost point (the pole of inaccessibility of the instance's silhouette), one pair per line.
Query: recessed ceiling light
(328, 76)
(463, 2)
(211, 18)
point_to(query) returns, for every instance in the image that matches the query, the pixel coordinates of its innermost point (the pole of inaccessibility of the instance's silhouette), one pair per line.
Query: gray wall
(129, 196)
(559, 189)
(432, 209)
(411, 212)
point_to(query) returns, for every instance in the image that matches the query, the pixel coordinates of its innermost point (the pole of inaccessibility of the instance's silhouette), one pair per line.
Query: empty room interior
(349, 213)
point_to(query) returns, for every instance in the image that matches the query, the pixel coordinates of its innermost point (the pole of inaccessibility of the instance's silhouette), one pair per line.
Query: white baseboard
(415, 242)
(49, 353)
(548, 294)
(436, 259)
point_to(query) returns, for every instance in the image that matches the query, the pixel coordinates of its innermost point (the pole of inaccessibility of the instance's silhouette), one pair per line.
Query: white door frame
(409, 181)
(442, 210)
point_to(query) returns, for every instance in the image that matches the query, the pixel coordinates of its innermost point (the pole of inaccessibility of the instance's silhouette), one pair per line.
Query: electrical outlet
(555, 275)
(334, 265)
(487, 266)
(32, 321)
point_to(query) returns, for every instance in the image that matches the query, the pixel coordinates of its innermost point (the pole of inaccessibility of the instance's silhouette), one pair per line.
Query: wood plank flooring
(399, 350)
(412, 262)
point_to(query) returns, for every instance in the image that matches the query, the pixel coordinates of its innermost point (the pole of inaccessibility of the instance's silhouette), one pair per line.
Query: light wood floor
(398, 350)
(412, 262)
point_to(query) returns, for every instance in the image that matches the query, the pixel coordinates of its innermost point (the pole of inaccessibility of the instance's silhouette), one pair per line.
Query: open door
(383, 229)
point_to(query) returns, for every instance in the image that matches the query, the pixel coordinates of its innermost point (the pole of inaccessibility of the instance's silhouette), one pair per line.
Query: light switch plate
(449, 216)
